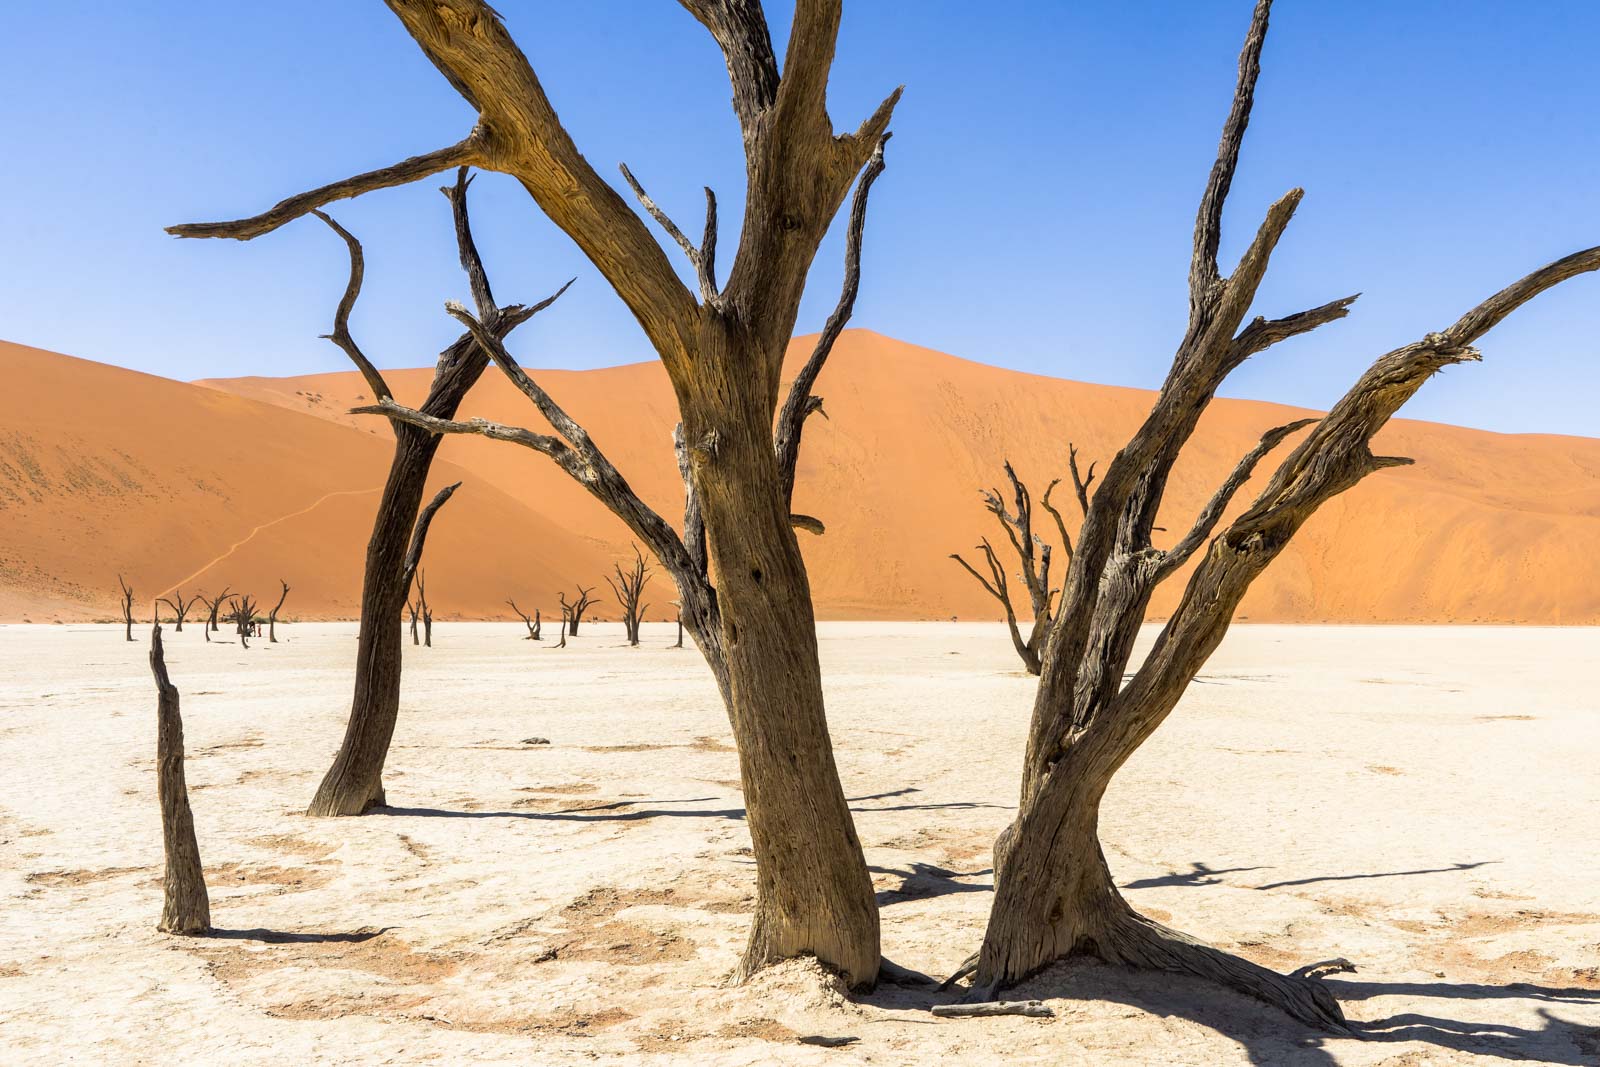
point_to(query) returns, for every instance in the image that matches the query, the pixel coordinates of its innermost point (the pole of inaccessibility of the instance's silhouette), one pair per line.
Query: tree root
(1135, 941)
(969, 966)
(1128, 939)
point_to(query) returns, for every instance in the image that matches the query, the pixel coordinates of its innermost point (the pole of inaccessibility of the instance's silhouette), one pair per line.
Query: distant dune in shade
(241, 481)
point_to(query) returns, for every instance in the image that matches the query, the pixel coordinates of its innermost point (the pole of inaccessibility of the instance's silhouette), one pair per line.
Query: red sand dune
(242, 480)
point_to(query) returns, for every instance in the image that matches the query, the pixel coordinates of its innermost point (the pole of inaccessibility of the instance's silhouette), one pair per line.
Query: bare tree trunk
(427, 628)
(127, 608)
(272, 619)
(813, 890)
(185, 908)
(680, 631)
(354, 784)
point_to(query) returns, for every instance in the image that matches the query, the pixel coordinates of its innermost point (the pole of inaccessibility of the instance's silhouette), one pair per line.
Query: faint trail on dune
(251, 535)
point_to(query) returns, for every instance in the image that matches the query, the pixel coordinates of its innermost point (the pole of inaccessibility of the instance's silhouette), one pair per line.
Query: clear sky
(1036, 213)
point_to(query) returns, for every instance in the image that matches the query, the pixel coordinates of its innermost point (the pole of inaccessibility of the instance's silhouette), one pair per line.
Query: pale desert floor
(1420, 800)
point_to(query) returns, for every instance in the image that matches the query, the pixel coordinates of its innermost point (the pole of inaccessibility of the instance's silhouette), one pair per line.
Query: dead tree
(723, 348)
(354, 783)
(533, 624)
(1033, 553)
(415, 611)
(1054, 894)
(213, 606)
(127, 608)
(573, 612)
(180, 607)
(629, 588)
(680, 631)
(565, 618)
(243, 617)
(272, 618)
(185, 907)
(427, 612)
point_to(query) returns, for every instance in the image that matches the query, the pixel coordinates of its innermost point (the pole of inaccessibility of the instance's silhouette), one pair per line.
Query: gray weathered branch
(800, 403)
(468, 152)
(419, 535)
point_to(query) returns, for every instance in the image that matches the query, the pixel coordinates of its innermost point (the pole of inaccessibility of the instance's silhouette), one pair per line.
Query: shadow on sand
(289, 937)
(1267, 1037)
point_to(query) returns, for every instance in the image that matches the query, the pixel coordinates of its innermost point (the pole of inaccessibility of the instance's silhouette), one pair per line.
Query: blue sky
(1036, 212)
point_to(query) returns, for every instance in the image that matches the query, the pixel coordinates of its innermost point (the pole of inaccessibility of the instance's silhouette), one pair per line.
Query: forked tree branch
(800, 403)
(471, 261)
(1203, 270)
(465, 153)
(341, 317)
(1207, 520)
(704, 258)
(1080, 482)
(419, 535)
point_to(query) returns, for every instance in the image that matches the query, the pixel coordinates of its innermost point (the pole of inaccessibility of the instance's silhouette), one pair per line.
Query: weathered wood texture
(1054, 895)
(185, 906)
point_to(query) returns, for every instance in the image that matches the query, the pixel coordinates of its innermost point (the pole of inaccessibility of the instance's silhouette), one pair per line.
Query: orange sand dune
(98, 477)
(106, 471)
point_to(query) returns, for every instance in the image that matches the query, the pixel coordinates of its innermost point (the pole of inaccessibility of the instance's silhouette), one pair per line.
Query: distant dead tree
(1054, 893)
(680, 631)
(243, 617)
(185, 907)
(723, 347)
(127, 608)
(414, 609)
(565, 611)
(629, 588)
(272, 618)
(213, 606)
(180, 607)
(534, 624)
(573, 612)
(1033, 553)
(427, 612)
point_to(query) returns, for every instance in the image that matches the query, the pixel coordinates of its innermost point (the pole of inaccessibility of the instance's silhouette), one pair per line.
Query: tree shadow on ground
(292, 937)
(1267, 1037)
(924, 881)
(1377, 874)
(1201, 874)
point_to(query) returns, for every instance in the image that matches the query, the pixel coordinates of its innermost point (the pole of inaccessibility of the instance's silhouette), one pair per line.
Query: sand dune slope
(158, 478)
(106, 471)
(1486, 527)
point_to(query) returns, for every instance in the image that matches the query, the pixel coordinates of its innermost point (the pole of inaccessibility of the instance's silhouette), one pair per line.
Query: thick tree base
(854, 958)
(332, 800)
(1131, 940)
